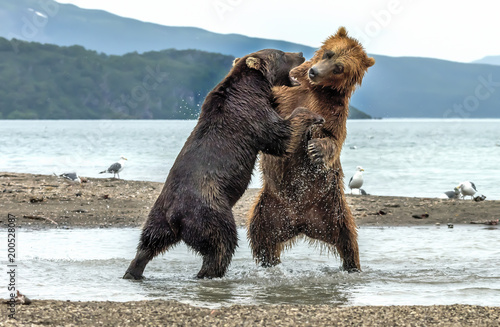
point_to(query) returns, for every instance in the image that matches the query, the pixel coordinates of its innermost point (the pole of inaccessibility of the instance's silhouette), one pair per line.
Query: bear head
(340, 63)
(275, 65)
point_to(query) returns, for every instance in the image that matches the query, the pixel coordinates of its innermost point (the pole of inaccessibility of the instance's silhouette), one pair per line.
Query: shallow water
(401, 265)
(401, 157)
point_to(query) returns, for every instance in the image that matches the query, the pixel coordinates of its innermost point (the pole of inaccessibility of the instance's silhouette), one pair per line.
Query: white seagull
(115, 168)
(356, 181)
(467, 189)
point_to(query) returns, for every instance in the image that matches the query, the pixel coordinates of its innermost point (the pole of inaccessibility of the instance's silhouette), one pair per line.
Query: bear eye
(328, 54)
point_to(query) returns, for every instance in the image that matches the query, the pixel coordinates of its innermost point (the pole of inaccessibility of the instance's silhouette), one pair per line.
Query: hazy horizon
(444, 30)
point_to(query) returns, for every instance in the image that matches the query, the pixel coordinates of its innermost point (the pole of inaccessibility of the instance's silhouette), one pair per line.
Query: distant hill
(394, 87)
(51, 22)
(355, 113)
(490, 60)
(43, 81)
(424, 87)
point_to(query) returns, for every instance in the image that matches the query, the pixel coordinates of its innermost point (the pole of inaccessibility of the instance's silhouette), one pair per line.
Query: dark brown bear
(215, 165)
(303, 194)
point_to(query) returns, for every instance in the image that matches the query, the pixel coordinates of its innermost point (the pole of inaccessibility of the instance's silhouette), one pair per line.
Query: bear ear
(235, 61)
(253, 62)
(369, 62)
(342, 32)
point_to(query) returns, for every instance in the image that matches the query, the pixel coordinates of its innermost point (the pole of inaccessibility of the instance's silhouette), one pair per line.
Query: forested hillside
(42, 81)
(50, 82)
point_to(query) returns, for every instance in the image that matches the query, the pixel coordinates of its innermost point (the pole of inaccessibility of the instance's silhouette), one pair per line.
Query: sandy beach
(42, 201)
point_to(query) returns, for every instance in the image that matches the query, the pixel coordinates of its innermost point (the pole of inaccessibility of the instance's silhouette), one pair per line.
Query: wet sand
(44, 201)
(41, 201)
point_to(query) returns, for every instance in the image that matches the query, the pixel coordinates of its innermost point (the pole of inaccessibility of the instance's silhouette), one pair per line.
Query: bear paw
(316, 153)
(322, 152)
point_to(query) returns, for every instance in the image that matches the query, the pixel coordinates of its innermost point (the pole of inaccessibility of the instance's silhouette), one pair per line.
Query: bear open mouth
(294, 81)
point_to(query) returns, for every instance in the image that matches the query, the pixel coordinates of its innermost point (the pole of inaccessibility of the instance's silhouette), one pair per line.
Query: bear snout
(313, 73)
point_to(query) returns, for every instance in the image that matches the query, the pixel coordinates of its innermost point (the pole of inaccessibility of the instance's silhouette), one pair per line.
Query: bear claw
(315, 155)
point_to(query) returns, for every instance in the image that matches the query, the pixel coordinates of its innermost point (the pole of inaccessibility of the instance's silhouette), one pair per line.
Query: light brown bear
(303, 194)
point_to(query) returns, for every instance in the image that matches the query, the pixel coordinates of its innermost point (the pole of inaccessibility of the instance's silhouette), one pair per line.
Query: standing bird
(115, 168)
(455, 194)
(467, 189)
(356, 181)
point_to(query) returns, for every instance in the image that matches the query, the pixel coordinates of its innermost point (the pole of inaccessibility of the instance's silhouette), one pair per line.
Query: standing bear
(214, 167)
(303, 194)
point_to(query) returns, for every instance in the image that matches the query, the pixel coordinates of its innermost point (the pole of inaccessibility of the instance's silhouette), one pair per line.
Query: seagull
(73, 177)
(455, 194)
(115, 168)
(467, 189)
(356, 181)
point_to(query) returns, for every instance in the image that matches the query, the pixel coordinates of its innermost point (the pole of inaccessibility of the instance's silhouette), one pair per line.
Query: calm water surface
(405, 157)
(401, 265)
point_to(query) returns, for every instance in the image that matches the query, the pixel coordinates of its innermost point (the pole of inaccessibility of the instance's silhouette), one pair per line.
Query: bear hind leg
(156, 238)
(347, 248)
(339, 232)
(216, 240)
(268, 228)
(216, 262)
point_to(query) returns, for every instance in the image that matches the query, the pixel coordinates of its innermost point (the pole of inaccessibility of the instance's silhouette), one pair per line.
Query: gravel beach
(42, 201)
(169, 313)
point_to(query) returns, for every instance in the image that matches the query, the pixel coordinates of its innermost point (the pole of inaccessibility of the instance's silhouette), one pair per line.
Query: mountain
(490, 60)
(431, 88)
(394, 87)
(51, 22)
(355, 113)
(44, 81)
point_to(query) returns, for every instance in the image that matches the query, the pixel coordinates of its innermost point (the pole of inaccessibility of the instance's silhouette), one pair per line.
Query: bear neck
(333, 105)
(331, 101)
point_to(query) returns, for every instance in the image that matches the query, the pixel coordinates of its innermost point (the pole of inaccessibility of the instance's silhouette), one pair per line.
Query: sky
(451, 30)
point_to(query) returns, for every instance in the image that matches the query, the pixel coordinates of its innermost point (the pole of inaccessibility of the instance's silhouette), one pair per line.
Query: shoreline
(46, 201)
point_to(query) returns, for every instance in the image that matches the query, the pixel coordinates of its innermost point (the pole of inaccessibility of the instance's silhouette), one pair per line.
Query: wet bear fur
(213, 169)
(303, 194)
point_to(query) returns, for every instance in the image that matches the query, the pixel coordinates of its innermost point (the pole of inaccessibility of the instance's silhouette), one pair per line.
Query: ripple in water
(401, 265)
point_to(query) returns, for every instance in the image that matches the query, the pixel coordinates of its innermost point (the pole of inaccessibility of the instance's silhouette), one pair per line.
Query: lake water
(405, 157)
(401, 265)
